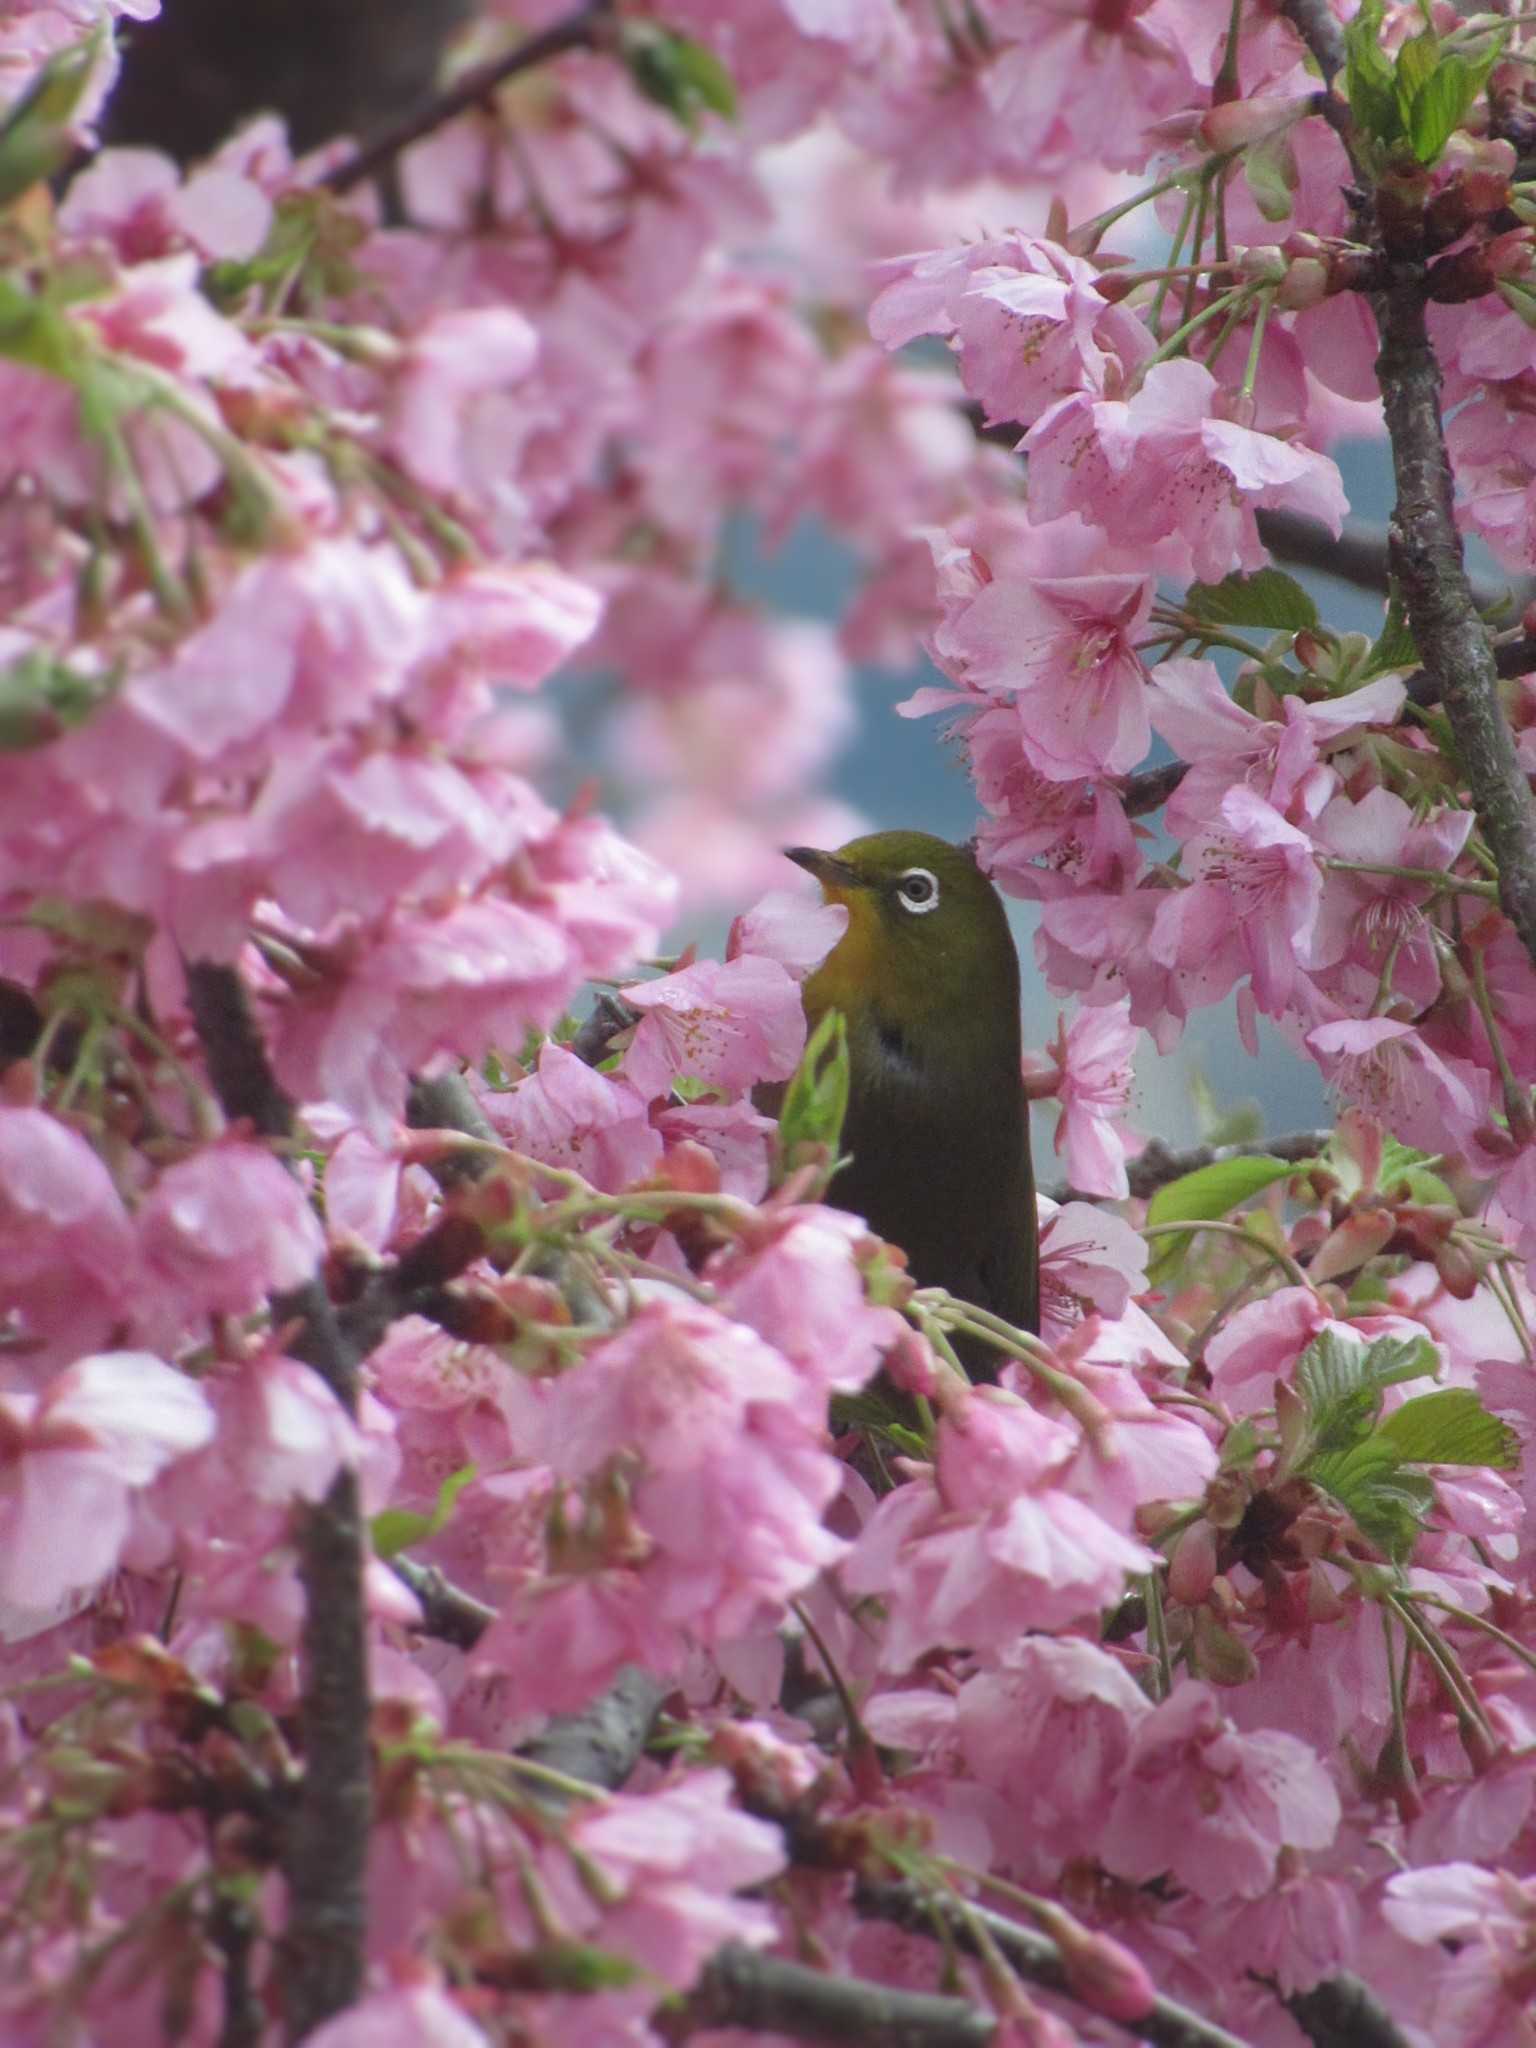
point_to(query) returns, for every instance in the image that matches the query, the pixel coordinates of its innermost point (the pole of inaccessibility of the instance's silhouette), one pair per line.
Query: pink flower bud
(1101, 1971)
(1239, 123)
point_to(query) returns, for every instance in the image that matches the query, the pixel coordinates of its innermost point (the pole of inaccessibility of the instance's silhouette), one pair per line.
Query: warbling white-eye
(927, 979)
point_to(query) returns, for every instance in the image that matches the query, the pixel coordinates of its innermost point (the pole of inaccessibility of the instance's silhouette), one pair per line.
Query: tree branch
(1151, 789)
(1157, 1164)
(325, 1842)
(1425, 554)
(1341, 2012)
(1032, 1954)
(1315, 22)
(1431, 574)
(1361, 554)
(766, 1994)
(581, 30)
(602, 1743)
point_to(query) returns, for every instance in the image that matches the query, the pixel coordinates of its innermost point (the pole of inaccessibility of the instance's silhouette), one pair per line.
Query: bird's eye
(918, 890)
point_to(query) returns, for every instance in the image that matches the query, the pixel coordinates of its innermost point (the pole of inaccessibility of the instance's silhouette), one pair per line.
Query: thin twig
(766, 1994)
(581, 30)
(1032, 1954)
(447, 1612)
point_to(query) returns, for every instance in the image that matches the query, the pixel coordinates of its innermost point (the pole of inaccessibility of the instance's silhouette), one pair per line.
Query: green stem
(1157, 1633)
(1260, 322)
(1516, 1098)
(1293, 1272)
(1240, 294)
(1464, 885)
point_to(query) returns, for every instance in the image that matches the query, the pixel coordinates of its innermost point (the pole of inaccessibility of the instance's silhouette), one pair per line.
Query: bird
(926, 977)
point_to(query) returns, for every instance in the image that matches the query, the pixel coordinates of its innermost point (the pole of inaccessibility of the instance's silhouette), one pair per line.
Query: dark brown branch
(1341, 2012)
(1317, 25)
(1151, 789)
(1425, 554)
(1359, 556)
(447, 1612)
(232, 1930)
(1441, 609)
(1511, 658)
(766, 1994)
(236, 1058)
(581, 30)
(602, 1743)
(325, 1844)
(1033, 1955)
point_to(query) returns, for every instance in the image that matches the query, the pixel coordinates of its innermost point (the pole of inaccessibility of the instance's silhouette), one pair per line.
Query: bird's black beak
(831, 872)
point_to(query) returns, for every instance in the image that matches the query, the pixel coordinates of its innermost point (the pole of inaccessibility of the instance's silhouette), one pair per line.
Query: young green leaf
(1450, 1427)
(36, 137)
(1208, 1194)
(1439, 107)
(1388, 1504)
(1369, 79)
(678, 74)
(396, 1529)
(816, 1097)
(1267, 597)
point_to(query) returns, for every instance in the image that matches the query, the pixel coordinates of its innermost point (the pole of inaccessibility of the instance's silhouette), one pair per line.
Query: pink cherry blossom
(1164, 464)
(1387, 1068)
(728, 1024)
(68, 1256)
(1251, 904)
(1213, 1808)
(1484, 1993)
(570, 1116)
(223, 1230)
(1093, 1062)
(72, 1459)
(987, 1543)
(1061, 652)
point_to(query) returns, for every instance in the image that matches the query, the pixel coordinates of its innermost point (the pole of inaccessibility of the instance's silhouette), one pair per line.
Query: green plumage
(927, 978)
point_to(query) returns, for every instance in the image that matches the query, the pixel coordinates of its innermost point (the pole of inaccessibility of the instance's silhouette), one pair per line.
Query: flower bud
(1238, 124)
(1101, 1972)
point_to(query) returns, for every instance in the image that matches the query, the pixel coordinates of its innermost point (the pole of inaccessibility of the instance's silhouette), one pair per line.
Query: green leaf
(1269, 168)
(396, 1529)
(1206, 1195)
(1343, 1398)
(1268, 597)
(1369, 78)
(1211, 1191)
(1417, 62)
(1394, 646)
(816, 1098)
(1450, 1427)
(1403, 1163)
(677, 73)
(41, 697)
(1388, 1505)
(1439, 107)
(1340, 1379)
(36, 137)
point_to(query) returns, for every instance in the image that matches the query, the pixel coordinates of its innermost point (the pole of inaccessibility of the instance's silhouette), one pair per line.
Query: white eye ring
(918, 890)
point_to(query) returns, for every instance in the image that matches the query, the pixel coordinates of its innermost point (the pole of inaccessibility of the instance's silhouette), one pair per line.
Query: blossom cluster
(1207, 1630)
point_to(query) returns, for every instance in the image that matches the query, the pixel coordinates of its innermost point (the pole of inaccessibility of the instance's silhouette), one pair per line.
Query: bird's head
(927, 951)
